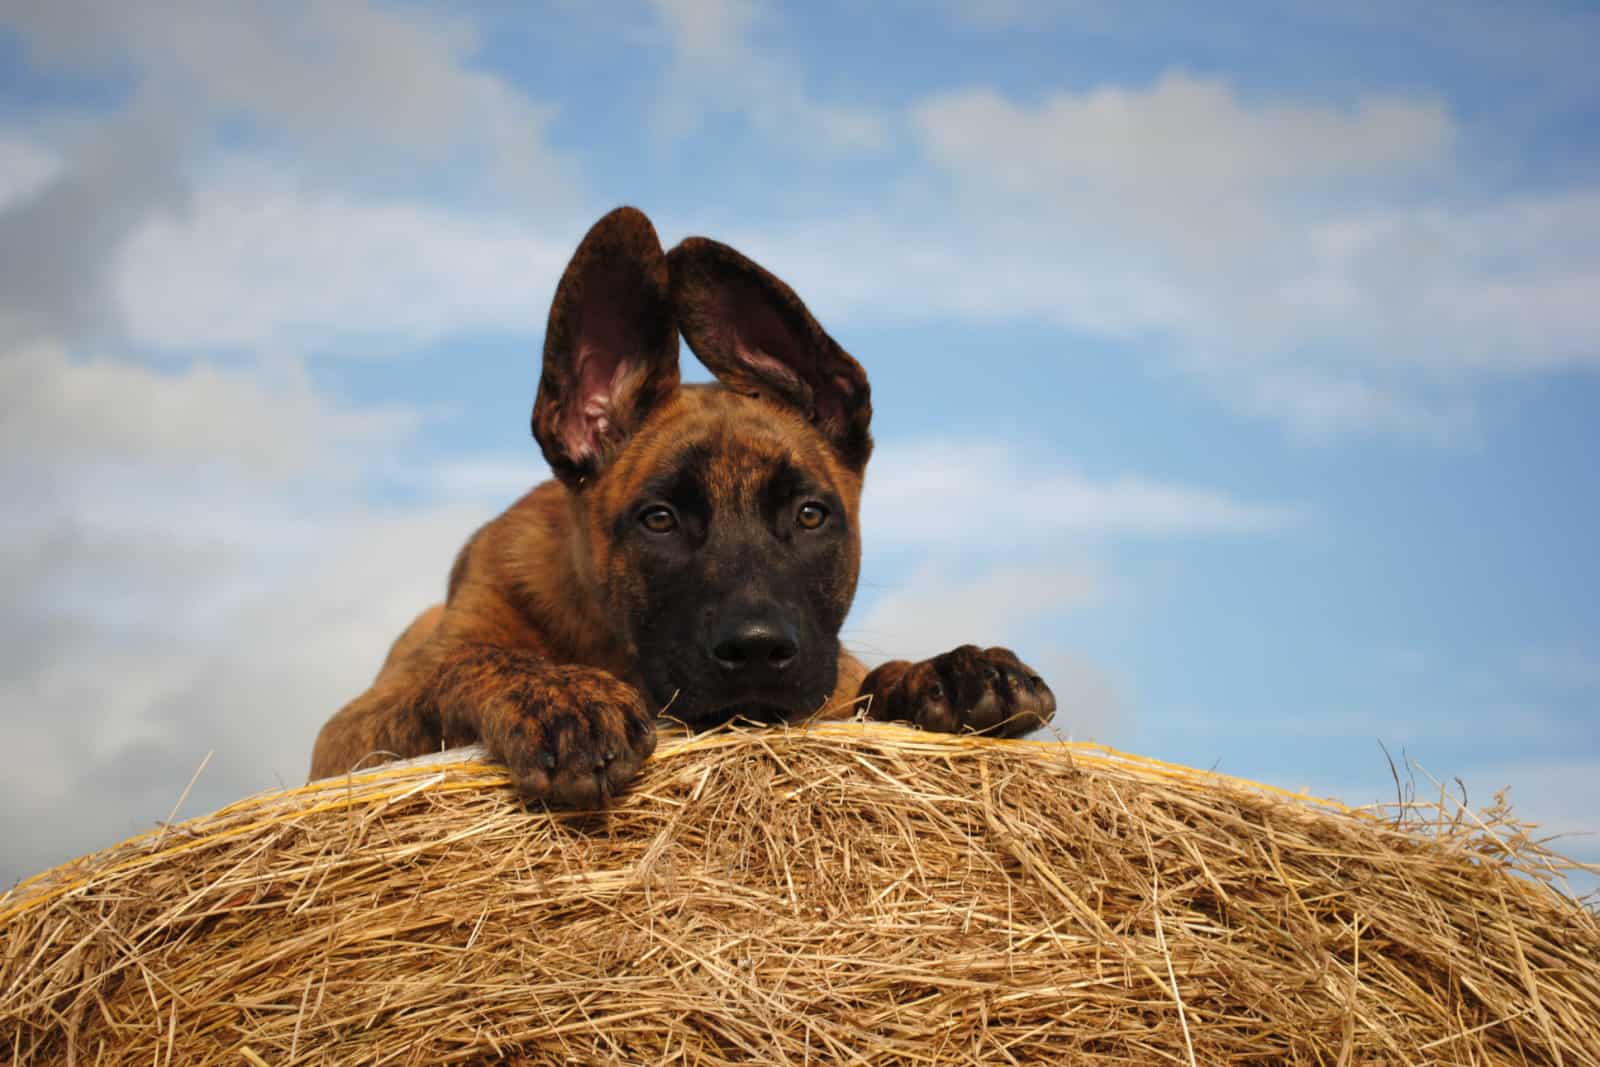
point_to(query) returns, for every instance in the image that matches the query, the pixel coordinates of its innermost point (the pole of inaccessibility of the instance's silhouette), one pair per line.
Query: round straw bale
(838, 893)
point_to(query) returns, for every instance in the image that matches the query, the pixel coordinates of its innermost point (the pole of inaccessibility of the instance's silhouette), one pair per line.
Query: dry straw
(843, 893)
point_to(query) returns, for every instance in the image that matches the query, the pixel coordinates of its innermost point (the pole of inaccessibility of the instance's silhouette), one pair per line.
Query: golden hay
(843, 893)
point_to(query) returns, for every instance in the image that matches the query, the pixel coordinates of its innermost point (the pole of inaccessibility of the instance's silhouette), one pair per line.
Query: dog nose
(752, 648)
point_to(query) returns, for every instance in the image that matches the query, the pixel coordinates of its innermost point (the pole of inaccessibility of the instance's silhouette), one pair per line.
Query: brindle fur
(569, 625)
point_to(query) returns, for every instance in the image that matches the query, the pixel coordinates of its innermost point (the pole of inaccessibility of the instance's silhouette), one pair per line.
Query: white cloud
(327, 85)
(1504, 286)
(1179, 143)
(270, 423)
(718, 67)
(1180, 189)
(114, 714)
(1326, 266)
(262, 259)
(1245, 208)
(951, 492)
(333, 74)
(1320, 406)
(189, 567)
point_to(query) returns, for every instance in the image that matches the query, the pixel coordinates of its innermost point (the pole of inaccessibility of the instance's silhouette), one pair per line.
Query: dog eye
(658, 519)
(811, 515)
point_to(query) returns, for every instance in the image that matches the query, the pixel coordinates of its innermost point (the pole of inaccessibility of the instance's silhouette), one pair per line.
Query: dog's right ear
(611, 348)
(757, 337)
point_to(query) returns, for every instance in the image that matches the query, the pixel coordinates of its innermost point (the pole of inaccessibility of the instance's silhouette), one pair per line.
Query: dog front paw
(987, 691)
(570, 736)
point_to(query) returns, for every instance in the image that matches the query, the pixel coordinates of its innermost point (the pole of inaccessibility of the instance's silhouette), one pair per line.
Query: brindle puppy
(696, 555)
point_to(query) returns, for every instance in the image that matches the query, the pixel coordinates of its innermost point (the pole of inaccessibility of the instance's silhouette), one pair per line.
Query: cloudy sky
(1239, 371)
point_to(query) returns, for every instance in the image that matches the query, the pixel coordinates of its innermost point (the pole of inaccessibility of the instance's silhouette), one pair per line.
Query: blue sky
(1239, 372)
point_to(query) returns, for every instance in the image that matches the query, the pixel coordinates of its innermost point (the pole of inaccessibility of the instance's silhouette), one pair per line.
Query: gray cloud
(377, 78)
(128, 657)
(55, 241)
(185, 572)
(331, 76)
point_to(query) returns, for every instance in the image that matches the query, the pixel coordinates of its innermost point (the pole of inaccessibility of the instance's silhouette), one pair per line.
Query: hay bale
(842, 892)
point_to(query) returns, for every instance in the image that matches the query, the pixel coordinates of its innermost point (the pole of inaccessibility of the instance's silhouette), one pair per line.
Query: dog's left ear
(611, 349)
(756, 336)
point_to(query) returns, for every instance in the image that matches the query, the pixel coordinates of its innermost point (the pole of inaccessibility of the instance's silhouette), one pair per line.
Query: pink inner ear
(589, 422)
(827, 403)
(767, 365)
(757, 337)
(766, 348)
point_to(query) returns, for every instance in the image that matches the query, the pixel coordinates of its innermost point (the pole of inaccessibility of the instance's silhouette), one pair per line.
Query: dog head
(716, 524)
